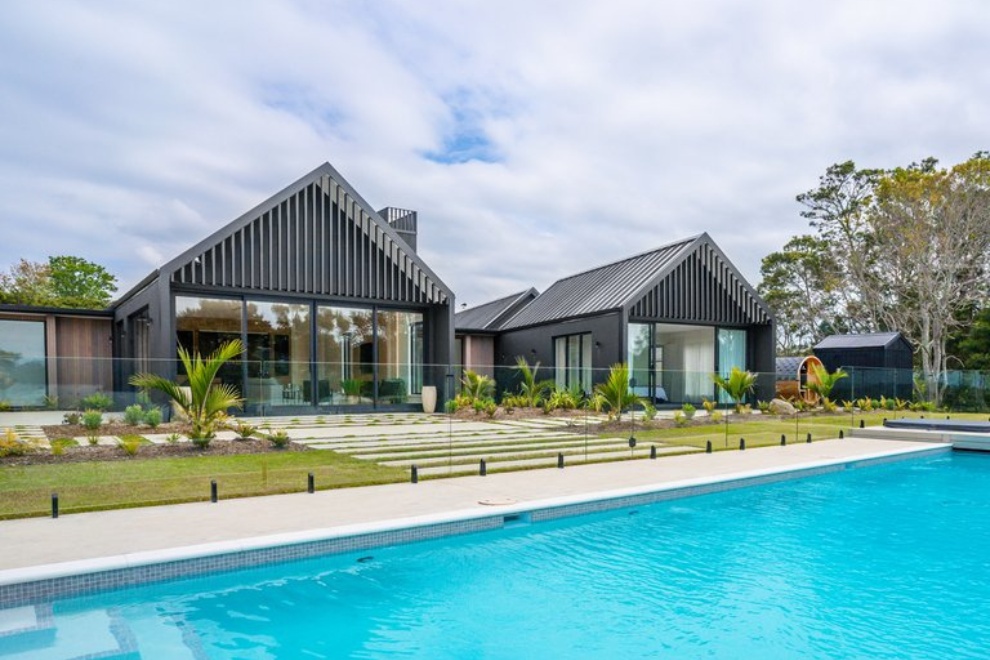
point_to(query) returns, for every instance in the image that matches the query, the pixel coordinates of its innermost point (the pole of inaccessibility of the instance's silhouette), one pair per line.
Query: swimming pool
(885, 561)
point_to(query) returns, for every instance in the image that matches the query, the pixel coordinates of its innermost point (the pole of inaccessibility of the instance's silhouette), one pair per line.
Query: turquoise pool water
(890, 561)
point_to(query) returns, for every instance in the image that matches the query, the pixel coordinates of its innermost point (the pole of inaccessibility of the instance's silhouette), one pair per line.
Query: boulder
(781, 407)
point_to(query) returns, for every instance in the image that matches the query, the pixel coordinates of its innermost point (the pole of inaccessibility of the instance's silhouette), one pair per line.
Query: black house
(675, 315)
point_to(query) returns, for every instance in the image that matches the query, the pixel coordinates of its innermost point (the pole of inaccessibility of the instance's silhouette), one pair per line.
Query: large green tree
(910, 247)
(802, 284)
(64, 281)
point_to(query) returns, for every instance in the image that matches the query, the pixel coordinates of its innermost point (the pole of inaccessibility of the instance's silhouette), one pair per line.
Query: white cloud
(129, 131)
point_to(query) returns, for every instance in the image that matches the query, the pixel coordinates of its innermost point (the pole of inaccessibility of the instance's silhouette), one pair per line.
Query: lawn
(26, 490)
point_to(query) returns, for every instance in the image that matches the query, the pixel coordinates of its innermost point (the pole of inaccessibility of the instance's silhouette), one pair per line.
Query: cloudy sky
(536, 139)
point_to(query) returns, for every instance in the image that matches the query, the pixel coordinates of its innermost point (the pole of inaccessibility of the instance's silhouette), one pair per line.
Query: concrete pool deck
(37, 546)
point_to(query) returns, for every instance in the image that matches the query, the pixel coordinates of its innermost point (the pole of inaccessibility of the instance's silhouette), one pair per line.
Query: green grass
(26, 490)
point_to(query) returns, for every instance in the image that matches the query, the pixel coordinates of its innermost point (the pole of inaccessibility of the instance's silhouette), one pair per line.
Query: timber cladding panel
(83, 359)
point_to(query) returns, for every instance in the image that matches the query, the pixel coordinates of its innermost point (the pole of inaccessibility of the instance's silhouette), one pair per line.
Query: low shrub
(243, 430)
(153, 417)
(93, 439)
(280, 439)
(130, 444)
(172, 438)
(97, 401)
(92, 419)
(650, 411)
(58, 445)
(134, 415)
(688, 410)
(11, 445)
(680, 419)
(4, 405)
(72, 418)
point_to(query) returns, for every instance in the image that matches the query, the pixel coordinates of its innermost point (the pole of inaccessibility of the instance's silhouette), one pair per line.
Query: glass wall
(639, 359)
(572, 361)
(400, 356)
(688, 361)
(731, 353)
(360, 352)
(202, 324)
(23, 381)
(344, 355)
(278, 354)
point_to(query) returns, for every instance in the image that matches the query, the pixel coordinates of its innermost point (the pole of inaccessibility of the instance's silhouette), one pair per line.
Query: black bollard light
(653, 452)
(809, 438)
(885, 421)
(54, 505)
(560, 461)
(783, 439)
(414, 475)
(708, 447)
(213, 491)
(841, 434)
(310, 483)
(742, 444)
(483, 468)
(862, 424)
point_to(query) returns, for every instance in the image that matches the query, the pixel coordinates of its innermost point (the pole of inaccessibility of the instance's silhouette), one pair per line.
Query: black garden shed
(879, 364)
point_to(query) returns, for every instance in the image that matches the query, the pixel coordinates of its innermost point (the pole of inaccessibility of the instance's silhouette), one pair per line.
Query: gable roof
(677, 281)
(489, 316)
(317, 236)
(864, 340)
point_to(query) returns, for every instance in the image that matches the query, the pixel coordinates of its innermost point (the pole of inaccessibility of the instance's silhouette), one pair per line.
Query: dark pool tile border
(48, 589)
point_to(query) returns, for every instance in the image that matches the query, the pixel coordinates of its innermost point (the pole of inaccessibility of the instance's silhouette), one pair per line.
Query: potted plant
(352, 389)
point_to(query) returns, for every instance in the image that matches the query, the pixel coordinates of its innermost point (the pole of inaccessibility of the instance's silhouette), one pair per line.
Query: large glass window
(731, 353)
(688, 353)
(638, 357)
(278, 353)
(572, 361)
(400, 356)
(203, 324)
(22, 363)
(344, 355)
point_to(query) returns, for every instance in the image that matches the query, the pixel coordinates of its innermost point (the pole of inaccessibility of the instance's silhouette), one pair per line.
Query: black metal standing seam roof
(487, 317)
(866, 340)
(601, 289)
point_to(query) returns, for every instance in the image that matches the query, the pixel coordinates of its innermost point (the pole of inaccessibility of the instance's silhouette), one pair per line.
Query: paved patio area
(87, 536)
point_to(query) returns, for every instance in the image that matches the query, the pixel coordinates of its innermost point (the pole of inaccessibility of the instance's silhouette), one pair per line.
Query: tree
(801, 283)
(80, 283)
(613, 396)
(911, 246)
(737, 385)
(933, 226)
(970, 344)
(530, 389)
(64, 281)
(27, 283)
(822, 382)
(204, 402)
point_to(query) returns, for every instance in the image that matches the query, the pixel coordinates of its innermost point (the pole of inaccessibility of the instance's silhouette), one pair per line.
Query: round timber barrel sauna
(793, 376)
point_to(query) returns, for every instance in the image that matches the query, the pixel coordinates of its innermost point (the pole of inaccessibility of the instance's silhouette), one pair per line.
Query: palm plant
(205, 403)
(477, 387)
(613, 396)
(531, 390)
(822, 382)
(737, 385)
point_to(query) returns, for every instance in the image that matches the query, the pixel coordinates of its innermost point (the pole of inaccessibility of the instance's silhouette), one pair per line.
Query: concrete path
(41, 541)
